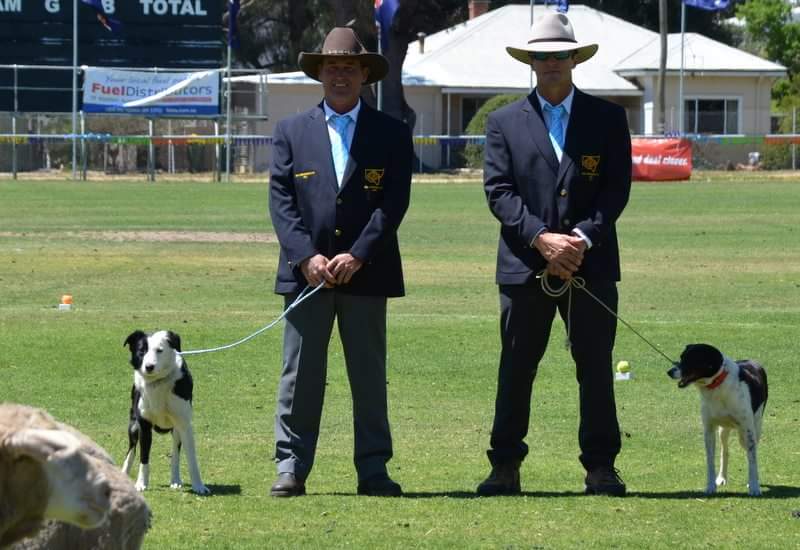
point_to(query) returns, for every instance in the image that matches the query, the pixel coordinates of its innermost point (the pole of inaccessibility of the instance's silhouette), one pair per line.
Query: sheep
(50, 471)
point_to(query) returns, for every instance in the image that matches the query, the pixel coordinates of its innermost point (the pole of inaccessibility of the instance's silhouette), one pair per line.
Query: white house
(449, 74)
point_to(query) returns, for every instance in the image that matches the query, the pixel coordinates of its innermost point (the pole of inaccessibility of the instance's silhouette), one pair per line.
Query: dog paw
(721, 481)
(141, 487)
(201, 489)
(176, 484)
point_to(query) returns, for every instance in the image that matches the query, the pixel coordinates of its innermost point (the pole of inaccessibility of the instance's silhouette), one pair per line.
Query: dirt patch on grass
(156, 236)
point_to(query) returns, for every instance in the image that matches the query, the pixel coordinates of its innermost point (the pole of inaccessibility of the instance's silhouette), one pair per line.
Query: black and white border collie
(161, 398)
(733, 395)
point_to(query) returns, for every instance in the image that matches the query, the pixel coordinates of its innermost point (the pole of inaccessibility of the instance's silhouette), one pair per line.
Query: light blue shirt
(351, 129)
(567, 103)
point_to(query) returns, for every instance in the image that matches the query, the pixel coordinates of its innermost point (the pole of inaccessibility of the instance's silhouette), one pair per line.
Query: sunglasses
(544, 56)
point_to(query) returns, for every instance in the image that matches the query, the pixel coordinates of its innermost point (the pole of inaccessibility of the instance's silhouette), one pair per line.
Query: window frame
(696, 99)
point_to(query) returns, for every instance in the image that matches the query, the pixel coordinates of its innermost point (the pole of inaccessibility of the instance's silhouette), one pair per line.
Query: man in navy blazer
(557, 177)
(339, 187)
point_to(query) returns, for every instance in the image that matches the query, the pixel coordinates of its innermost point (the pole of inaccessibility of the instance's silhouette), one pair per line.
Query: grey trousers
(301, 391)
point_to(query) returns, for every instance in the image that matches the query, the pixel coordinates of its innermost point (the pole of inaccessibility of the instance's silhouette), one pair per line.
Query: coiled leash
(302, 297)
(580, 282)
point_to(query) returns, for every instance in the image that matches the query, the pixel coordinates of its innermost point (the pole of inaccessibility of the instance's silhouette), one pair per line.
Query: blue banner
(709, 5)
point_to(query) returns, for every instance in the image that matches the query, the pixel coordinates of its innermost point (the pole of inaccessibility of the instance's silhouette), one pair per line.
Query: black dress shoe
(605, 480)
(380, 485)
(288, 485)
(503, 480)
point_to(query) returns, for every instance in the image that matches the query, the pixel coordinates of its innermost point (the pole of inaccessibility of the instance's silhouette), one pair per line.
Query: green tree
(473, 154)
(773, 34)
(273, 32)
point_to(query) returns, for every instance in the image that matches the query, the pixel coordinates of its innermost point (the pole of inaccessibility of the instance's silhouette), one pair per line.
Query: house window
(711, 116)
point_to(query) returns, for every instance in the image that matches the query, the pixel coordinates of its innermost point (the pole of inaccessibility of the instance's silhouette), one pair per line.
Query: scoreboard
(176, 34)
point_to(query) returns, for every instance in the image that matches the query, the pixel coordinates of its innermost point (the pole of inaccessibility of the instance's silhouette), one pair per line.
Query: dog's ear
(689, 348)
(134, 337)
(174, 340)
(703, 355)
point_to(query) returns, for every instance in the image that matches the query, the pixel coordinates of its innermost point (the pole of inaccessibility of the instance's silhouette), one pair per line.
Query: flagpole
(74, 88)
(680, 81)
(228, 122)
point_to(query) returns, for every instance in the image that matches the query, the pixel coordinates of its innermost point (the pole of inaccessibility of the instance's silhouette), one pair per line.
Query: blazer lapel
(320, 144)
(538, 131)
(357, 146)
(574, 130)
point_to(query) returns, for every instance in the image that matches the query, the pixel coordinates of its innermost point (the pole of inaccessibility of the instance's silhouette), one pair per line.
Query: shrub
(776, 157)
(473, 154)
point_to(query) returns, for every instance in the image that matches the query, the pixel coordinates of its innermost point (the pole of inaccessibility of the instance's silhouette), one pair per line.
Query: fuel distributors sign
(148, 93)
(175, 34)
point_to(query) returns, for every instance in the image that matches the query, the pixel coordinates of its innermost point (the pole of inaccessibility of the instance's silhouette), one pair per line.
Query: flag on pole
(562, 6)
(708, 5)
(384, 13)
(233, 25)
(110, 24)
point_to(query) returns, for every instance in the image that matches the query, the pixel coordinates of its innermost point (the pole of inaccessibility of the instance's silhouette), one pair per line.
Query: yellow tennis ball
(623, 366)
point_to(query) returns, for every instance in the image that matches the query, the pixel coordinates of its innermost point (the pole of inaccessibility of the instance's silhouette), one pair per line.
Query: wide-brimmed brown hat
(552, 33)
(343, 42)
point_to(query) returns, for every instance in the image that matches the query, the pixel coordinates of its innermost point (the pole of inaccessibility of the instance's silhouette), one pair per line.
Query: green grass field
(713, 260)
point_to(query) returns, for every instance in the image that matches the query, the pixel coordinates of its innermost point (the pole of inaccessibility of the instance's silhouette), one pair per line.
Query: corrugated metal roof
(700, 54)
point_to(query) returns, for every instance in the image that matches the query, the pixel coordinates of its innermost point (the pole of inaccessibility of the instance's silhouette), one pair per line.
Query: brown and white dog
(161, 400)
(733, 395)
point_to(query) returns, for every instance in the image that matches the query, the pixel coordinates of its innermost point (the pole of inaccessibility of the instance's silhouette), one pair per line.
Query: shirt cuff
(583, 236)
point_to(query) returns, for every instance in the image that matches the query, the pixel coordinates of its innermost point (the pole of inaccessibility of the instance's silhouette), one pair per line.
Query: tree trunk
(394, 101)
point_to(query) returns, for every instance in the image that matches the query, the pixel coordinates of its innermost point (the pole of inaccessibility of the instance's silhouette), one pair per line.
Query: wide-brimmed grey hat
(552, 33)
(343, 42)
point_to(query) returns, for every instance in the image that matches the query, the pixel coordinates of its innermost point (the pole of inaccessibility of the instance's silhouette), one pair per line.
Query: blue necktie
(556, 128)
(339, 147)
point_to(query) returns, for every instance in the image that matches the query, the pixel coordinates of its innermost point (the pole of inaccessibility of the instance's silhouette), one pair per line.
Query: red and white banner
(661, 159)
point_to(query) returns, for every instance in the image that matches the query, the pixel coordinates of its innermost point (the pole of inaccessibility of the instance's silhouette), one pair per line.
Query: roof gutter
(633, 73)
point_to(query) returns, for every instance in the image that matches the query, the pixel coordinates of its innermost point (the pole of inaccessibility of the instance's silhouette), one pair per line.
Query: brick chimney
(477, 7)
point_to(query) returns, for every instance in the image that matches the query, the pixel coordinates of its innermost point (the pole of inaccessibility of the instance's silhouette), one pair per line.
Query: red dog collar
(717, 380)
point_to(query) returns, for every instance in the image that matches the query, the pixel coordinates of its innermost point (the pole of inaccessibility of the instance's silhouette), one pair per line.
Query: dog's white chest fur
(158, 404)
(728, 405)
